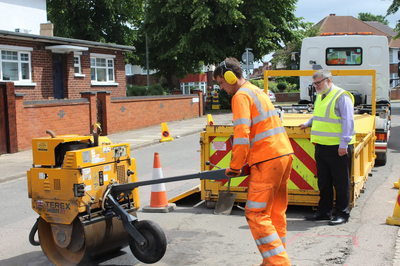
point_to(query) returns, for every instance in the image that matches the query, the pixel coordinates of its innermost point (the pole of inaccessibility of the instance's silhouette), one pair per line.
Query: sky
(314, 11)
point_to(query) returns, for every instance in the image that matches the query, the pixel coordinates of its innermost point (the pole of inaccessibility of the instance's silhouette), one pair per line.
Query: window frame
(338, 49)
(128, 70)
(20, 50)
(78, 65)
(107, 58)
(144, 71)
(395, 80)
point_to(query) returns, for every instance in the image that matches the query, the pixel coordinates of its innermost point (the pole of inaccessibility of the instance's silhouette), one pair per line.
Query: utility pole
(147, 51)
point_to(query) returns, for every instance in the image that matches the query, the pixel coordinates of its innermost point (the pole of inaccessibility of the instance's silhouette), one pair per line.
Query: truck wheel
(156, 244)
(381, 160)
(304, 102)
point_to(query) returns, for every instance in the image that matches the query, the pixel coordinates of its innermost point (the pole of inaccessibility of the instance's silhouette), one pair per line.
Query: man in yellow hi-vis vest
(332, 130)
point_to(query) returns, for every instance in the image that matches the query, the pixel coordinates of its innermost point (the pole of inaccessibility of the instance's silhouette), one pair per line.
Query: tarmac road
(198, 237)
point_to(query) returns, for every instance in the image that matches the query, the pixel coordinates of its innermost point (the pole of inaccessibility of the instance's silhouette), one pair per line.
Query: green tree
(394, 7)
(284, 56)
(109, 21)
(369, 17)
(183, 35)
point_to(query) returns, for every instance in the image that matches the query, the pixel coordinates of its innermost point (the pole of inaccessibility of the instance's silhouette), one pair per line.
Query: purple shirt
(344, 108)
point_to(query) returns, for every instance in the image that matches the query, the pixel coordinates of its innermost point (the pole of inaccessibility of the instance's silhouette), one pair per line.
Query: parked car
(271, 96)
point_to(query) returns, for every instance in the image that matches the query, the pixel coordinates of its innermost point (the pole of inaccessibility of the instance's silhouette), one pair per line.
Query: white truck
(337, 52)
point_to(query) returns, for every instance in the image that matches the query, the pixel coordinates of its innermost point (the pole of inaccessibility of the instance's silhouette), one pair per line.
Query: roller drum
(86, 240)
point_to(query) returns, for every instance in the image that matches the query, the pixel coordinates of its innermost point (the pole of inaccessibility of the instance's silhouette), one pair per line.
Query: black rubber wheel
(304, 102)
(156, 245)
(381, 159)
(211, 204)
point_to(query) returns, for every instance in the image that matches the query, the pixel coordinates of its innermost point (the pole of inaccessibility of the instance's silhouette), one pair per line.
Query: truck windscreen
(343, 56)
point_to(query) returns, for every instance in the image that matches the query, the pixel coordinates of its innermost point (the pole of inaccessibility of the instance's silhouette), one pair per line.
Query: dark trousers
(333, 171)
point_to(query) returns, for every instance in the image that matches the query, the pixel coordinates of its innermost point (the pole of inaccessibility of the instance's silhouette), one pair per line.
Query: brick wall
(395, 94)
(139, 112)
(76, 84)
(76, 116)
(393, 68)
(12, 118)
(287, 97)
(33, 119)
(141, 80)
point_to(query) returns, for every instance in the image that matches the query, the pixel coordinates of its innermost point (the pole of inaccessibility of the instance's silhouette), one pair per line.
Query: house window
(102, 68)
(77, 64)
(393, 56)
(188, 87)
(128, 70)
(15, 65)
(394, 78)
(151, 72)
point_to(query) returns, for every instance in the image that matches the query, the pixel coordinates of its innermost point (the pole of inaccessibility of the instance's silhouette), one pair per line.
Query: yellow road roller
(85, 190)
(70, 187)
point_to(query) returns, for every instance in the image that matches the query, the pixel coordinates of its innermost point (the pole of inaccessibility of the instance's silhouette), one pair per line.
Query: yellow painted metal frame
(363, 154)
(51, 188)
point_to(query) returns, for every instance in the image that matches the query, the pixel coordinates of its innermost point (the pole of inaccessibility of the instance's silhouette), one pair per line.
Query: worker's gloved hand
(229, 172)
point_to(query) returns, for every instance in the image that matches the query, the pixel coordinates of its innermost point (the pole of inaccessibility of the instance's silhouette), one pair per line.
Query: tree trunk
(171, 85)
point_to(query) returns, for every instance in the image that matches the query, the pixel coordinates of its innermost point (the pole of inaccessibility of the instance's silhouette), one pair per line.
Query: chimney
(332, 15)
(46, 29)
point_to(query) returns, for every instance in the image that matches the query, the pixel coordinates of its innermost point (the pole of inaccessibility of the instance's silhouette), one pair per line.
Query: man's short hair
(324, 73)
(231, 64)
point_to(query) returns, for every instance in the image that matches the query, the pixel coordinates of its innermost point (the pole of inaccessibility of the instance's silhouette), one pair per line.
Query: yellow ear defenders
(228, 75)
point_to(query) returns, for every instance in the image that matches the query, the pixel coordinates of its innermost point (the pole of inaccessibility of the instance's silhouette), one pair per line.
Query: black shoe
(338, 220)
(318, 217)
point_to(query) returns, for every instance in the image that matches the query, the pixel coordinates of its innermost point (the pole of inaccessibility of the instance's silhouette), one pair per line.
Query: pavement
(13, 166)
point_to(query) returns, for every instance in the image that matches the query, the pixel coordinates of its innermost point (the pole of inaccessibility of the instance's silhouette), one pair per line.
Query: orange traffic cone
(210, 120)
(158, 198)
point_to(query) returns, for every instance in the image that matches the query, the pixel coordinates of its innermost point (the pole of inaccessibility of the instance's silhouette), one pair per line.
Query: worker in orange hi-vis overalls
(260, 138)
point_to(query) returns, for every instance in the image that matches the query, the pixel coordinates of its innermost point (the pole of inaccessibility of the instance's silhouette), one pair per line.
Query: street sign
(248, 55)
(250, 65)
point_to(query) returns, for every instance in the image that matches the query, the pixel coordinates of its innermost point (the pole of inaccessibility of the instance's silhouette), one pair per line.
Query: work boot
(318, 217)
(338, 220)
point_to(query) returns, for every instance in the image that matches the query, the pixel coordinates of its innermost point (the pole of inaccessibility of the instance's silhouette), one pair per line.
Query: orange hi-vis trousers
(266, 206)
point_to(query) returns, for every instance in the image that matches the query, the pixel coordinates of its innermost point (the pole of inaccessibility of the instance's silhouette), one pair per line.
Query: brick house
(200, 81)
(258, 73)
(66, 85)
(48, 67)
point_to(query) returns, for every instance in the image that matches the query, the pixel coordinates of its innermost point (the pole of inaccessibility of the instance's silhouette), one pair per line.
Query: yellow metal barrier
(216, 145)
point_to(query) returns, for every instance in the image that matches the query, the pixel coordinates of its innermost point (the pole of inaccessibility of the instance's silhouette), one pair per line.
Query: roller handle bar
(205, 175)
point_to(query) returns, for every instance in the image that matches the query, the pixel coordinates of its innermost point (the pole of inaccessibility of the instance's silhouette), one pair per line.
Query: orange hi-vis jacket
(259, 134)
